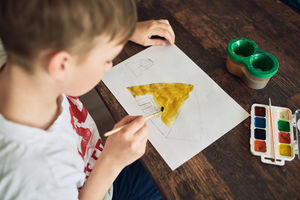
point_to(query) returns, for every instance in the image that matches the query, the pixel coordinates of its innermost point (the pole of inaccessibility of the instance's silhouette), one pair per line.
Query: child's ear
(58, 65)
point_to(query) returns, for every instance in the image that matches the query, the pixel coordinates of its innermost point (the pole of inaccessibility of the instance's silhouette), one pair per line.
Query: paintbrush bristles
(146, 118)
(155, 114)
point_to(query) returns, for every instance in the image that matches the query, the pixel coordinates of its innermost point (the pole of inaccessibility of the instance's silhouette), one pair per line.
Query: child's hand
(145, 30)
(129, 144)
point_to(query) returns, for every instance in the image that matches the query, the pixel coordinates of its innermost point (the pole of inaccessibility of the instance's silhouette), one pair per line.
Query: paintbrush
(146, 118)
(272, 130)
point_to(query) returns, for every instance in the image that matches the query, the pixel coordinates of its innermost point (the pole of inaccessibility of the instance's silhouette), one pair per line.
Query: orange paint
(260, 146)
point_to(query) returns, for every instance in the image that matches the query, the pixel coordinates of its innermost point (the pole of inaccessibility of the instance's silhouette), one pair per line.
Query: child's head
(56, 34)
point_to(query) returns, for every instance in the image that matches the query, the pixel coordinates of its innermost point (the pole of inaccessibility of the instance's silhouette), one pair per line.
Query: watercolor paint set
(274, 133)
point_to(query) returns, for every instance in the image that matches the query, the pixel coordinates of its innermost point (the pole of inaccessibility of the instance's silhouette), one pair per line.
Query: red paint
(284, 138)
(260, 146)
(260, 111)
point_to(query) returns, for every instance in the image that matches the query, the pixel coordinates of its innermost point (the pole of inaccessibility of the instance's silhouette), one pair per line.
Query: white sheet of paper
(205, 116)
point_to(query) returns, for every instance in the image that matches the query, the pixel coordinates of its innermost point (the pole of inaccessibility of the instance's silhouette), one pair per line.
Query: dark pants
(134, 183)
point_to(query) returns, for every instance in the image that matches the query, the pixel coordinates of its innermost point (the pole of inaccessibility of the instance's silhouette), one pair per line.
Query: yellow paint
(285, 150)
(284, 115)
(169, 95)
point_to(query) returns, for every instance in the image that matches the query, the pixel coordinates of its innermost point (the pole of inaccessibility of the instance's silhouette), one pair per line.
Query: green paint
(283, 126)
(257, 62)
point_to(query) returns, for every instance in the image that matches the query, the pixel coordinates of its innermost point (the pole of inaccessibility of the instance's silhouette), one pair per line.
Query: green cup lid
(257, 62)
(262, 65)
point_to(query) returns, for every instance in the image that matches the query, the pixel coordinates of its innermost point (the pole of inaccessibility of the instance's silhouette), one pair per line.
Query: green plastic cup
(253, 65)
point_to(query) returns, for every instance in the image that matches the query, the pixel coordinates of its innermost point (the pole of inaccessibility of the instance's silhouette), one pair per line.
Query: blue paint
(260, 122)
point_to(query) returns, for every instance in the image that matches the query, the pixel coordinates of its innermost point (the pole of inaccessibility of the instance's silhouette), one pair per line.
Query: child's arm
(145, 31)
(120, 150)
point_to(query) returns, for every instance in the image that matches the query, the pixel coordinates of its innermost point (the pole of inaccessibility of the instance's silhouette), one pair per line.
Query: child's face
(87, 73)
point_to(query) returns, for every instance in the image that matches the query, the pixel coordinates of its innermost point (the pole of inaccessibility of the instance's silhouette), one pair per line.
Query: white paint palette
(284, 145)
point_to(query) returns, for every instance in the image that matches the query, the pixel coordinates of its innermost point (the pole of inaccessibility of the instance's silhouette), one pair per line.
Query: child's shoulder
(37, 162)
(19, 149)
(21, 167)
(29, 175)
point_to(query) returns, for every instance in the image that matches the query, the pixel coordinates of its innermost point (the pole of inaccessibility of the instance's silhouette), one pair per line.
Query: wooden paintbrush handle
(118, 129)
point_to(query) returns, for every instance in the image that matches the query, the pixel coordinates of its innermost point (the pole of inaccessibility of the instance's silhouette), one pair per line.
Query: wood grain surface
(226, 169)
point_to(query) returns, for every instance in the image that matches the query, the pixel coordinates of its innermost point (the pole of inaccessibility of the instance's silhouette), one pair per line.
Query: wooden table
(226, 169)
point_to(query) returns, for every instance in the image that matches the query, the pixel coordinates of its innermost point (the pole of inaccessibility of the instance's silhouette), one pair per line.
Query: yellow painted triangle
(169, 95)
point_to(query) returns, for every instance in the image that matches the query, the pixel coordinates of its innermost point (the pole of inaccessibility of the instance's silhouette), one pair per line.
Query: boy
(49, 145)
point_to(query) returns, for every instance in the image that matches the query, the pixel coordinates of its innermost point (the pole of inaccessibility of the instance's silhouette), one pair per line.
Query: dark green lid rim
(247, 61)
(233, 55)
(259, 73)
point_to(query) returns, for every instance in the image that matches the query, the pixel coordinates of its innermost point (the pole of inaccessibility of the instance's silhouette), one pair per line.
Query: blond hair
(30, 26)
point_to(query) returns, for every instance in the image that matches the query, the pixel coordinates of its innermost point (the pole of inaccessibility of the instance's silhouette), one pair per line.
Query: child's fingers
(125, 120)
(165, 24)
(142, 132)
(142, 146)
(163, 33)
(142, 138)
(134, 126)
(165, 21)
(156, 42)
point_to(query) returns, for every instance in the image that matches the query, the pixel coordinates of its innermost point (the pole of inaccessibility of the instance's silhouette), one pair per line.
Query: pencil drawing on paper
(203, 113)
(140, 66)
(152, 97)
